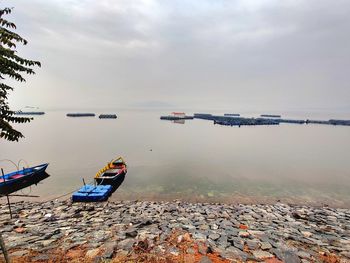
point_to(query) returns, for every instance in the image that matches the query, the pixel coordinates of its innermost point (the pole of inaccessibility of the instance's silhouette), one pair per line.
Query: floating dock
(175, 118)
(91, 193)
(265, 119)
(232, 114)
(107, 116)
(203, 116)
(329, 122)
(80, 114)
(239, 121)
(270, 116)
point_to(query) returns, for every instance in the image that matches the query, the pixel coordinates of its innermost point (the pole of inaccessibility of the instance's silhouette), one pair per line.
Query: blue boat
(91, 193)
(18, 180)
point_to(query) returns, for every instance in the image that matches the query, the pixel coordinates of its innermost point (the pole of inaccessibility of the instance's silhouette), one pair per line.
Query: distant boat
(18, 180)
(112, 174)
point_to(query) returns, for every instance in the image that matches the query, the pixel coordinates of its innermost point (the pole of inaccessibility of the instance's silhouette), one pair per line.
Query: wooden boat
(112, 174)
(18, 180)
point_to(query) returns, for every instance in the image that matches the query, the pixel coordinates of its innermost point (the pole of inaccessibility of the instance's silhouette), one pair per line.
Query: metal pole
(8, 199)
(3, 248)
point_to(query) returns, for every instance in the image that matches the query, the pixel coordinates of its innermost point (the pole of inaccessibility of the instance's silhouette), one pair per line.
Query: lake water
(195, 161)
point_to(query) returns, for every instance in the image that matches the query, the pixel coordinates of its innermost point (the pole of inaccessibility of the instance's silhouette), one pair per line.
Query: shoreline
(234, 199)
(126, 231)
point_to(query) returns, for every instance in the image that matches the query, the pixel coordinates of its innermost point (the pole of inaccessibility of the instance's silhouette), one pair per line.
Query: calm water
(196, 160)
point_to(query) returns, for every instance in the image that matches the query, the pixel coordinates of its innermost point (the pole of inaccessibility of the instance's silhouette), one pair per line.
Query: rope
(8, 160)
(59, 197)
(30, 190)
(22, 160)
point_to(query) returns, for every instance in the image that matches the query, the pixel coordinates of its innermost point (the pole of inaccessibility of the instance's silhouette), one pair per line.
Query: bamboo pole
(3, 248)
(8, 199)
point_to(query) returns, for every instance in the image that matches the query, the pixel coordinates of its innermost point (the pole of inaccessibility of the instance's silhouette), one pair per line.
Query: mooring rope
(59, 197)
(8, 160)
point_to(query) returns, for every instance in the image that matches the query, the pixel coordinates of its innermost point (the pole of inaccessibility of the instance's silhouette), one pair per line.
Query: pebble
(265, 245)
(205, 259)
(260, 254)
(92, 253)
(214, 236)
(19, 253)
(243, 234)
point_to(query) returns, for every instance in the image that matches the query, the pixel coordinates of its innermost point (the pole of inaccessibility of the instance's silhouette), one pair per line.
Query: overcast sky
(238, 54)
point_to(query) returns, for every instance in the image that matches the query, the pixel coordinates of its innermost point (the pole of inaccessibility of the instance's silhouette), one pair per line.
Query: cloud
(279, 54)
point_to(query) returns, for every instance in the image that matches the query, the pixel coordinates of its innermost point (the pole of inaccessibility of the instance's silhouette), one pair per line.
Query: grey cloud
(264, 54)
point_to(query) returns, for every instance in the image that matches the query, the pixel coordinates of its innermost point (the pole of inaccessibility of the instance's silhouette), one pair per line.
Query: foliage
(11, 66)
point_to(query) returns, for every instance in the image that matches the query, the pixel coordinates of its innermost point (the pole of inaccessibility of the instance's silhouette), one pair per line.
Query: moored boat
(18, 180)
(112, 174)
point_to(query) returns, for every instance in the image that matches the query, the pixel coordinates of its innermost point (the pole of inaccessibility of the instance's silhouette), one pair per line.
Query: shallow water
(196, 160)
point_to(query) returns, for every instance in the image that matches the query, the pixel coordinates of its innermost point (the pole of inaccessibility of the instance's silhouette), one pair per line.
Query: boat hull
(29, 176)
(115, 181)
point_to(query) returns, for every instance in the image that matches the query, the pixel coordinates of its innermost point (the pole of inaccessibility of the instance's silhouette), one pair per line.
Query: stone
(126, 244)
(203, 227)
(232, 253)
(214, 236)
(131, 233)
(191, 251)
(47, 242)
(214, 227)
(19, 253)
(199, 236)
(306, 233)
(92, 253)
(290, 257)
(252, 245)
(265, 245)
(20, 230)
(243, 234)
(205, 259)
(42, 257)
(260, 254)
(109, 250)
(303, 254)
(174, 251)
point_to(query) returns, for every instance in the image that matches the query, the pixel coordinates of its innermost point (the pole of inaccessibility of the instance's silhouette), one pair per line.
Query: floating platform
(203, 116)
(329, 122)
(340, 122)
(265, 119)
(270, 116)
(176, 118)
(239, 121)
(107, 116)
(232, 114)
(91, 193)
(29, 113)
(80, 114)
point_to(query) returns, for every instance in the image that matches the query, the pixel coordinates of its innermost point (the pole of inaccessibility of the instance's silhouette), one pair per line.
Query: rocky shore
(143, 231)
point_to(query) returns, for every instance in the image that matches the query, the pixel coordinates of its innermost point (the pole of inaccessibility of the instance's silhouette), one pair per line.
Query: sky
(238, 54)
